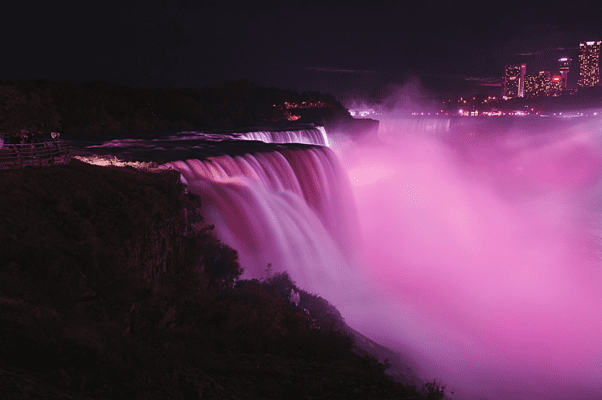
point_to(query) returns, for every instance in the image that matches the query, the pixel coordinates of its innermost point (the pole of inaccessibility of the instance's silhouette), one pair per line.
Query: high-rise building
(564, 67)
(589, 64)
(514, 80)
(542, 84)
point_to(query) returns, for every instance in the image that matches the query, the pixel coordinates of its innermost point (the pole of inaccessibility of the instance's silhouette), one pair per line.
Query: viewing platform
(46, 153)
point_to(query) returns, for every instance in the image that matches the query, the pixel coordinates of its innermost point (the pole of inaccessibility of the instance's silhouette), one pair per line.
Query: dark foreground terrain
(108, 292)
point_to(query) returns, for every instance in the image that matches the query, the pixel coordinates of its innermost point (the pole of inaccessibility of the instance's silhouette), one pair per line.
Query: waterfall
(392, 129)
(290, 208)
(315, 135)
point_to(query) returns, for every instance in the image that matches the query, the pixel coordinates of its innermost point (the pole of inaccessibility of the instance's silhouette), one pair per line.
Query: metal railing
(15, 156)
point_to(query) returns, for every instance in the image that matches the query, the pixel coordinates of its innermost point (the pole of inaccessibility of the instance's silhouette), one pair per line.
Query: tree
(24, 112)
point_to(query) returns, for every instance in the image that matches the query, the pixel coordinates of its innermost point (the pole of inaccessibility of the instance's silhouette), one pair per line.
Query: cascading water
(316, 135)
(287, 208)
(392, 128)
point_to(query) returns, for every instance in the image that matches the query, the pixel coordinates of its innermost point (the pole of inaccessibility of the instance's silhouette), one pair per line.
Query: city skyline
(352, 49)
(517, 83)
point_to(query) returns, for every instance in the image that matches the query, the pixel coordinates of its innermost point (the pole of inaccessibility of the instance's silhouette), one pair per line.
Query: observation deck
(46, 153)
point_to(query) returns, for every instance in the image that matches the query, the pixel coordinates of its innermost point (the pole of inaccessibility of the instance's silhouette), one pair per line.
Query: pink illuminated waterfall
(291, 209)
(315, 135)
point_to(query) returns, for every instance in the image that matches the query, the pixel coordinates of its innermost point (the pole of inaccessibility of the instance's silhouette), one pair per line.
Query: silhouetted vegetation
(107, 291)
(43, 106)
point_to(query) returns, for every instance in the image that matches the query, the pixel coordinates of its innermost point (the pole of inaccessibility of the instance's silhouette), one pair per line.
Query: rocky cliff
(65, 224)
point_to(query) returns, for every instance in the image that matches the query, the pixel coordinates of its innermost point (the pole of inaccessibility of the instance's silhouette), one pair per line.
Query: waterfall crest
(315, 135)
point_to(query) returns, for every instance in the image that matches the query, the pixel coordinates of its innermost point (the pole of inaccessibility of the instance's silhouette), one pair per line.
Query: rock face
(67, 222)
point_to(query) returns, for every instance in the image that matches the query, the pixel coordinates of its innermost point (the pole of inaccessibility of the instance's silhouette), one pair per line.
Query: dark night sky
(346, 48)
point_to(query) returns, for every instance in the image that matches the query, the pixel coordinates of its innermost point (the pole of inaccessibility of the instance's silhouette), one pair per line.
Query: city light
(517, 83)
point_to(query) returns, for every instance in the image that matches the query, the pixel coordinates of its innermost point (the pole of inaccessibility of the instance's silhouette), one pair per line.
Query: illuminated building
(542, 84)
(565, 64)
(555, 86)
(589, 64)
(534, 84)
(514, 80)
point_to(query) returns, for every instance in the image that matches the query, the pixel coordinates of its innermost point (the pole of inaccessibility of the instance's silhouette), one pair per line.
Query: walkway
(14, 156)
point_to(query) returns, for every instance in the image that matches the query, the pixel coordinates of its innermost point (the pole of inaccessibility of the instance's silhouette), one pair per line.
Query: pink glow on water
(479, 264)
(368, 174)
